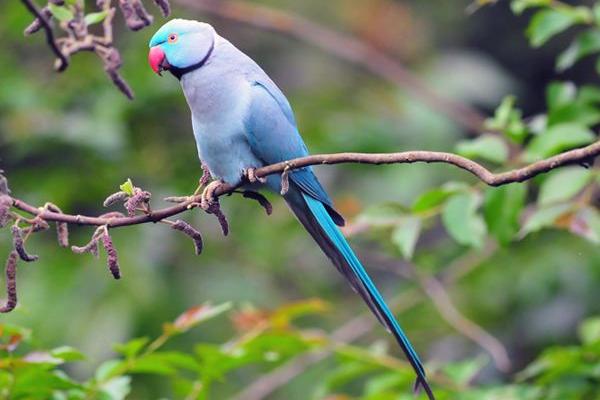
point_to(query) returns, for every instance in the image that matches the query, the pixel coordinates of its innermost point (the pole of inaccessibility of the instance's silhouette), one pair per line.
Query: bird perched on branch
(242, 121)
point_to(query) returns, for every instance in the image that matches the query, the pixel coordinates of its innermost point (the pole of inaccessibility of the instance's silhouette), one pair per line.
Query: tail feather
(316, 219)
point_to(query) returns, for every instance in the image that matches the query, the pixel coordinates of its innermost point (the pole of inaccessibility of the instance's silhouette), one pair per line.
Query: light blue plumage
(242, 120)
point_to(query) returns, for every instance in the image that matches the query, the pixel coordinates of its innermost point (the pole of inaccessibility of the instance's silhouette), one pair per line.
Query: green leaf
(544, 217)
(35, 382)
(284, 315)
(589, 95)
(563, 184)
(461, 373)
(405, 236)
(61, 13)
(552, 363)
(194, 316)
(589, 331)
(503, 112)
(430, 199)
(508, 120)
(13, 331)
(461, 220)
(108, 369)
(177, 360)
(518, 6)
(385, 383)
(516, 130)
(586, 224)
(502, 208)
(585, 44)
(547, 23)
(342, 375)
(436, 197)
(560, 94)
(151, 363)
(41, 357)
(576, 112)
(183, 386)
(384, 214)
(67, 353)
(558, 138)
(128, 187)
(132, 347)
(268, 347)
(115, 389)
(566, 105)
(94, 18)
(596, 12)
(488, 147)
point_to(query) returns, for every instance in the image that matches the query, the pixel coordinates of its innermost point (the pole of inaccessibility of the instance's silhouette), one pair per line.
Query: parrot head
(180, 46)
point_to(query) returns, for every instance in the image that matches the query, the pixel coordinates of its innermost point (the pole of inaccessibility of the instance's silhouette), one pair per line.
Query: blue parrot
(242, 121)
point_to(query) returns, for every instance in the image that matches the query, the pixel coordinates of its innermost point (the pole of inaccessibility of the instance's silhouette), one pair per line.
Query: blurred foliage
(269, 339)
(523, 258)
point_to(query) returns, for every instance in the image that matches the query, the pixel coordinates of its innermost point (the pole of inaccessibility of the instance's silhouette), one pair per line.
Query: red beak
(157, 60)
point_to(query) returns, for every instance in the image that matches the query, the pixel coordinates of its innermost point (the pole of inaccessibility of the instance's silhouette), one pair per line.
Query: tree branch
(343, 46)
(443, 303)
(78, 37)
(64, 62)
(493, 179)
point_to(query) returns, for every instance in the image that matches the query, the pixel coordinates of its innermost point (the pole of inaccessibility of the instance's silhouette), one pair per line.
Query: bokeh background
(71, 138)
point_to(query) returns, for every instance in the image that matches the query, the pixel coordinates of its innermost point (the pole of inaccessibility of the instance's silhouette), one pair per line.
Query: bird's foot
(215, 209)
(206, 176)
(209, 203)
(203, 181)
(207, 198)
(262, 200)
(250, 175)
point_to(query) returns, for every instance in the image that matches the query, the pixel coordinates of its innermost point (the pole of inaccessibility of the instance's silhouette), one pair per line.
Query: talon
(207, 199)
(250, 175)
(204, 180)
(193, 205)
(206, 176)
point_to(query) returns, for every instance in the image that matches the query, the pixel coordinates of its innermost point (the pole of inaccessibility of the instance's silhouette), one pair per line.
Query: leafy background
(521, 261)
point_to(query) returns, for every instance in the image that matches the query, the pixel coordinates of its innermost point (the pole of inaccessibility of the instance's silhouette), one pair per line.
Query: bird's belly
(218, 113)
(224, 151)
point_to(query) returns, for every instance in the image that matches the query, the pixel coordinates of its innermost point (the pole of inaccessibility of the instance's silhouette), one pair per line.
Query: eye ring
(172, 38)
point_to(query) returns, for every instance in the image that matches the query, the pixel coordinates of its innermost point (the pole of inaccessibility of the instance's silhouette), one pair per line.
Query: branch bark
(581, 155)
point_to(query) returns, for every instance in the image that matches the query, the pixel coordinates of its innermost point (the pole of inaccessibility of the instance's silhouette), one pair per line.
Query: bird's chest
(215, 98)
(218, 109)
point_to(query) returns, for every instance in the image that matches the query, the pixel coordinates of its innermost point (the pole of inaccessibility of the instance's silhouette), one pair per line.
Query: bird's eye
(172, 38)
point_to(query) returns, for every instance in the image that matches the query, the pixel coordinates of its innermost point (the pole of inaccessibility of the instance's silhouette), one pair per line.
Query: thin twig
(79, 38)
(486, 176)
(436, 290)
(443, 303)
(63, 60)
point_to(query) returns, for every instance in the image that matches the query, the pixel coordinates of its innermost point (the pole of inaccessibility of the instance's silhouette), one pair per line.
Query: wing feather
(274, 137)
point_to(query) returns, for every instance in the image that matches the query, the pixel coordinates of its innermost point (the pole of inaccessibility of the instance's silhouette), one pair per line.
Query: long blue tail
(317, 220)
